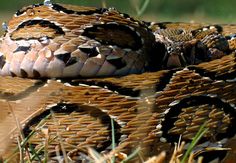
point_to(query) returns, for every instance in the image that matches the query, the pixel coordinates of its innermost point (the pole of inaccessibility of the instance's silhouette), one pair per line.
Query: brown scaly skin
(150, 110)
(59, 40)
(187, 46)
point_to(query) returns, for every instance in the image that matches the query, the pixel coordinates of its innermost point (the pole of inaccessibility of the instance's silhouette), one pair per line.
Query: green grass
(194, 142)
(37, 155)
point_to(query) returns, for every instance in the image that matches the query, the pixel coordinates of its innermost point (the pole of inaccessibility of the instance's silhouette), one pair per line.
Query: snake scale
(66, 71)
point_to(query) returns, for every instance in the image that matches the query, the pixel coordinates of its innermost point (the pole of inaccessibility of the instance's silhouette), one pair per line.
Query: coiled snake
(183, 75)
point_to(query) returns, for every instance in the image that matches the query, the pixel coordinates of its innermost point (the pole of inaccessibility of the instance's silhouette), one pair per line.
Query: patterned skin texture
(71, 41)
(151, 110)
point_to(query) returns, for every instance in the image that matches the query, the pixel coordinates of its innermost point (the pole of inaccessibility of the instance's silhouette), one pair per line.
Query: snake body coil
(195, 81)
(55, 40)
(70, 41)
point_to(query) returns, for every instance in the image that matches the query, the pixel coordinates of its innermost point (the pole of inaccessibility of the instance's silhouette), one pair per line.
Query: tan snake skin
(151, 110)
(71, 41)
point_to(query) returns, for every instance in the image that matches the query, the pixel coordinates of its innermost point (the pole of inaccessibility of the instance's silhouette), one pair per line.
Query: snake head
(182, 54)
(174, 56)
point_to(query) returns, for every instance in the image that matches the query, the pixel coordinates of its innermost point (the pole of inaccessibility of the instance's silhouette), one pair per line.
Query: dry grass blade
(19, 130)
(20, 149)
(98, 158)
(132, 155)
(104, 4)
(178, 152)
(113, 139)
(157, 159)
(140, 6)
(60, 138)
(46, 133)
(23, 145)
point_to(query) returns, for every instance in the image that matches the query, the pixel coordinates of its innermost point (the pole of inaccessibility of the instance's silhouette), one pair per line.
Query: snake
(67, 71)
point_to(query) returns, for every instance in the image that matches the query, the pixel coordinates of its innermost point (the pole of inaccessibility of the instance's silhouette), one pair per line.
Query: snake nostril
(23, 73)
(36, 74)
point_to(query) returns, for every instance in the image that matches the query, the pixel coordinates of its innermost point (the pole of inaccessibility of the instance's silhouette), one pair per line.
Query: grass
(195, 140)
(140, 6)
(113, 144)
(29, 154)
(24, 144)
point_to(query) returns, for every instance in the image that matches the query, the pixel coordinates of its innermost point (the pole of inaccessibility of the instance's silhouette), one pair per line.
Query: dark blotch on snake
(115, 34)
(60, 8)
(117, 62)
(71, 61)
(91, 51)
(22, 48)
(23, 73)
(13, 74)
(2, 61)
(63, 57)
(36, 74)
(42, 23)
